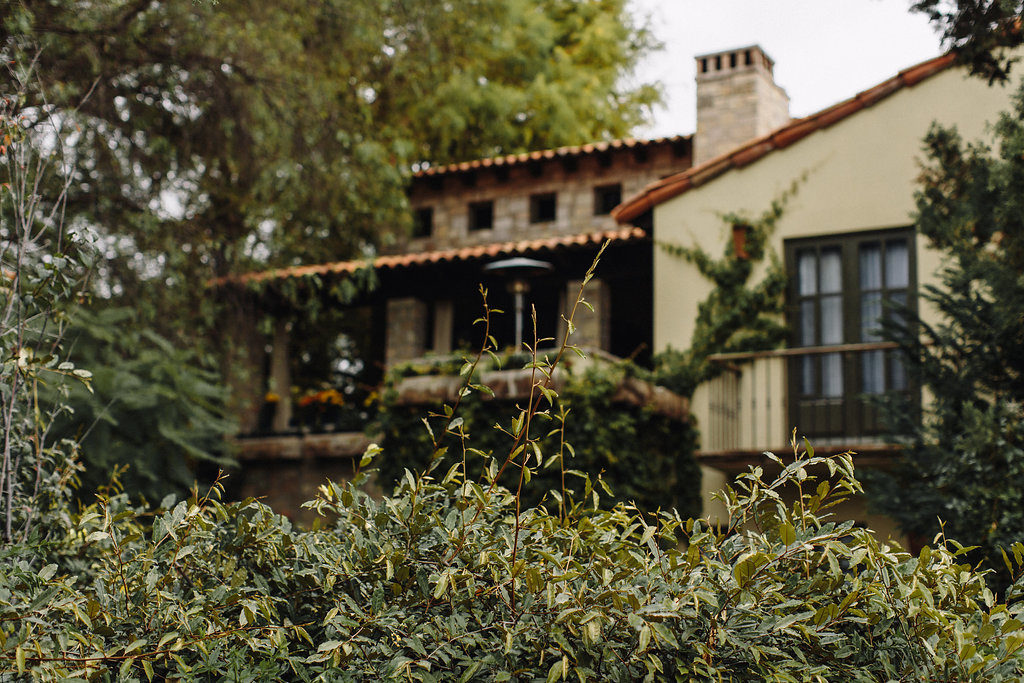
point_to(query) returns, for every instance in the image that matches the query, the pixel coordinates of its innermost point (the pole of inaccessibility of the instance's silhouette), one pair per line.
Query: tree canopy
(981, 32)
(963, 470)
(217, 137)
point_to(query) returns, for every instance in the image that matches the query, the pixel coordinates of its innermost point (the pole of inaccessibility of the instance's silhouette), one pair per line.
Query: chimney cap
(754, 55)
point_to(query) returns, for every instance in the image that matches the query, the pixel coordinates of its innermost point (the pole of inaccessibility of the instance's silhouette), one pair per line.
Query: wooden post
(281, 375)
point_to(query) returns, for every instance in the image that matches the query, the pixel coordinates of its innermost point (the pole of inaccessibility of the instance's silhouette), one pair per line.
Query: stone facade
(576, 179)
(407, 330)
(737, 101)
(562, 192)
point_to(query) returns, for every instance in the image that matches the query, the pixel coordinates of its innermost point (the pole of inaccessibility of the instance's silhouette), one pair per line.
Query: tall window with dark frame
(842, 288)
(606, 198)
(423, 222)
(481, 215)
(543, 207)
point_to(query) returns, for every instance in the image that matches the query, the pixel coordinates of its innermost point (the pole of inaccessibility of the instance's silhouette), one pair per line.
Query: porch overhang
(480, 252)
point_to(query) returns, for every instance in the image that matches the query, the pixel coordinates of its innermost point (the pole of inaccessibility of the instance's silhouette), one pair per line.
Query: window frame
(543, 207)
(423, 228)
(600, 194)
(474, 223)
(849, 412)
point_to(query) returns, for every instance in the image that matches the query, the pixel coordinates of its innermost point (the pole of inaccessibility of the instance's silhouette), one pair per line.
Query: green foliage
(982, 32)
(738, 315)
(219, 137)
(645, 456)
(965, 462)
(40, 276)
(150, 407)
(447, 580)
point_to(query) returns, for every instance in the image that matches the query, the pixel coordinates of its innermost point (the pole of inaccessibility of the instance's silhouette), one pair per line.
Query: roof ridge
(536, 155)
(797, 129)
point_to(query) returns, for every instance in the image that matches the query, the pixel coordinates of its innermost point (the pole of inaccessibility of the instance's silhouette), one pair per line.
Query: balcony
(752, 406)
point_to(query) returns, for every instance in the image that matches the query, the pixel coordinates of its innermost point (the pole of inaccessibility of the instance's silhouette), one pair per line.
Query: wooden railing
(748, 407)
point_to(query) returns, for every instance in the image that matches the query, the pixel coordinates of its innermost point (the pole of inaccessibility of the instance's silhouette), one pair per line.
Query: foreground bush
(645, 455)
(448, 581)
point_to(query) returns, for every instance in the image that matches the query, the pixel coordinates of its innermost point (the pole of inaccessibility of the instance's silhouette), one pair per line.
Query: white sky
(824, 50)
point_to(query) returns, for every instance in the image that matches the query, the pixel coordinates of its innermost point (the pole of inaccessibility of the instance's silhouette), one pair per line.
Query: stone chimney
(737, 100)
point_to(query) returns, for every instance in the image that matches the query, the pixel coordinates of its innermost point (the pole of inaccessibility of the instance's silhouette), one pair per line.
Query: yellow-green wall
(858, 175)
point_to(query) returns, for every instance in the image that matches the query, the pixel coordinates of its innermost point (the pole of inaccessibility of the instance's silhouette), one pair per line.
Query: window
(840, 291)
(543, 207)
(606, 198)
(481, 215)
(423, 222)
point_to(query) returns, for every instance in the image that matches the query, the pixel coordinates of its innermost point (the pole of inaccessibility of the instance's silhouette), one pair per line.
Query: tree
(151, 412)
(963, 469)
(981, 31)
(40, 278)
(220, 137)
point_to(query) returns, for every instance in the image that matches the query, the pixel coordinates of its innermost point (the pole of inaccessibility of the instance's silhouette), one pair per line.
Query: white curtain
(897, 265)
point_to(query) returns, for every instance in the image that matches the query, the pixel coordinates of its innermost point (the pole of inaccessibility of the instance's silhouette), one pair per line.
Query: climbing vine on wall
(738, 315)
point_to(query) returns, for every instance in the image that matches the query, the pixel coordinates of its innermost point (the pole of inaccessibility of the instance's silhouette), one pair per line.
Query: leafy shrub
(41, 266)
(645, 456)
(963, 464)
(150, 406)
(448, 580)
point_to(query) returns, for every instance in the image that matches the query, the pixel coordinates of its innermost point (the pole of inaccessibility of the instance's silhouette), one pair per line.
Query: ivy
(737, 315)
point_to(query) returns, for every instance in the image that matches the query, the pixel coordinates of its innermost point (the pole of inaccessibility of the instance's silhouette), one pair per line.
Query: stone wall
(285, 471)
(572, 179)
(737, 101)
(407, 320)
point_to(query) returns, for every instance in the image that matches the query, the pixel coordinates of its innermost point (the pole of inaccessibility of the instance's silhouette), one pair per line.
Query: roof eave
(794, 131)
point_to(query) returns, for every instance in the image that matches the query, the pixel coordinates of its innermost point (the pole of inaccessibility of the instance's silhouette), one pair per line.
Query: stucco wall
(858, 175)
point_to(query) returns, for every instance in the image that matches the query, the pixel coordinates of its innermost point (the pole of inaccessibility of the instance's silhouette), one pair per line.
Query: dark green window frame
(830, 392)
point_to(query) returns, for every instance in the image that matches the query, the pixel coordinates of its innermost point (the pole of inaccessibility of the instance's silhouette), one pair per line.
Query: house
(552, 206)
(475, 223)
(845, 236)
(848, 244)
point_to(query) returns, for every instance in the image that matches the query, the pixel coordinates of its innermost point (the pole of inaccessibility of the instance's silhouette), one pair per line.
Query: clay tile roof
(445, 255)
(674, 185)
(560, 152)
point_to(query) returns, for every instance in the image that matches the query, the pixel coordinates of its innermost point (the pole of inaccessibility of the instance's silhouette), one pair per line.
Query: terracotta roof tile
(572, 151)
(674, 185)
(439, 256)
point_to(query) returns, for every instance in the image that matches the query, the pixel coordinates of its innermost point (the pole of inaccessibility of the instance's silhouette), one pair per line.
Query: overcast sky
(824, 50)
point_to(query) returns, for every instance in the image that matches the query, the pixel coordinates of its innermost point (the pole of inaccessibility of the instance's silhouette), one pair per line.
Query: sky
(825, 51)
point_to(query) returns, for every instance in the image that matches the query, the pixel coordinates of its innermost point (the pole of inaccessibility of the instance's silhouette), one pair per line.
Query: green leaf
(557, 671)
(441, 585)
(645, 637)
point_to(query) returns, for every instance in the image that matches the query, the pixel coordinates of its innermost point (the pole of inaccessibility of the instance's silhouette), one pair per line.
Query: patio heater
(518, 271)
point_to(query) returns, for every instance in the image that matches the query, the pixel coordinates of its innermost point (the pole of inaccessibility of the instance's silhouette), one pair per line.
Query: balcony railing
(755, 403)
